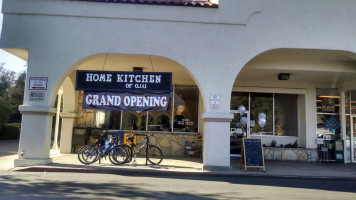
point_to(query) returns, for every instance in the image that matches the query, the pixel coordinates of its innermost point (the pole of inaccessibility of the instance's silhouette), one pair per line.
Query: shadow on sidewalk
(8, 147)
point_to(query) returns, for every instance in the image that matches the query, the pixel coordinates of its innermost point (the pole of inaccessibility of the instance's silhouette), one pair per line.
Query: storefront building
(281, 71)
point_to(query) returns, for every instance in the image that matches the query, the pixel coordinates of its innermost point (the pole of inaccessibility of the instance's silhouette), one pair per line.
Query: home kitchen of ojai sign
(128, 91)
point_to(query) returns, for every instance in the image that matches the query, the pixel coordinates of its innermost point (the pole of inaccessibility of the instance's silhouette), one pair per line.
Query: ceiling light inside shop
(334, 97)
(283, 76)
(137, 69)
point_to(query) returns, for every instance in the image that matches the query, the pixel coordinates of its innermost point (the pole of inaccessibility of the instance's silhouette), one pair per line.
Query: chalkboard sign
(252, 155)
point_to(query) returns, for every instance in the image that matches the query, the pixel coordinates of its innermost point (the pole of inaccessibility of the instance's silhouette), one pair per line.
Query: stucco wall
(212, 44)
(199, 39)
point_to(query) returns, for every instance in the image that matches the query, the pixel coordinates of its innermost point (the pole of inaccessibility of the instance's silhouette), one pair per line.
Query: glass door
(353, 139)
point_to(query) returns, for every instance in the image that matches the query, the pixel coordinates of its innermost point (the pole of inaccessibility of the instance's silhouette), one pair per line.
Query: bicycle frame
(138, 149)
(107, 147)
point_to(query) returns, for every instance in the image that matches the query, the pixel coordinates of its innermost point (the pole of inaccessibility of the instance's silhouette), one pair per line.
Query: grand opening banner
(123, 81)
(126, 101)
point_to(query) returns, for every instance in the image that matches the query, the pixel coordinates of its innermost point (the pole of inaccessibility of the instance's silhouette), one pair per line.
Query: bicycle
(153, 153)
(118, 155)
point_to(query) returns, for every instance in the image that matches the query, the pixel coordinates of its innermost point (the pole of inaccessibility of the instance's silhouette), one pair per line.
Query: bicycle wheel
(128, 149)
(80, 153)
(87, 154)
(155, 155)
(118, 155)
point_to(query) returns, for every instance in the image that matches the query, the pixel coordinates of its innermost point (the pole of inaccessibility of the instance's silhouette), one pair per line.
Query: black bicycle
(117, 153)
(153, 153)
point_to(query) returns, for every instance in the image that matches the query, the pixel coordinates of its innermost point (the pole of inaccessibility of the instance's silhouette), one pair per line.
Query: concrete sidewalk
(179, 165)
(193, 165)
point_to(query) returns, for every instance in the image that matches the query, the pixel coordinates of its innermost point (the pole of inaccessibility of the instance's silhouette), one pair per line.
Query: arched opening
(299, 91)
(87, 124)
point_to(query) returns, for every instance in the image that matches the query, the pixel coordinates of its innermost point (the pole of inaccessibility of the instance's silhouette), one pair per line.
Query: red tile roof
(190, 3)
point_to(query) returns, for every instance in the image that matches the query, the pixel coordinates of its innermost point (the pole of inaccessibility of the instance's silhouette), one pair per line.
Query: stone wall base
(295, 154)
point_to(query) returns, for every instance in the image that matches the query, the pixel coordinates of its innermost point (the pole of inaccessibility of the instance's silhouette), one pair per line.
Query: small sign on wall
(319, 141)
(214, 102)
(38, 83)
(326, 137)
(37, 96)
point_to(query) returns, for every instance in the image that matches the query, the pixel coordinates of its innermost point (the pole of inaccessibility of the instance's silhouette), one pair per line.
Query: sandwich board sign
(252, 154)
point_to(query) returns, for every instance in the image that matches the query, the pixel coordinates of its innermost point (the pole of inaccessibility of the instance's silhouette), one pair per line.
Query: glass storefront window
(99, 119)
(186, 100)
(350, 110)
(281, 112)
(348, 138)
(114, 119)
(327, 100)
(347, 102)
(353, 101)
(261, 103)
(160, 121)
(328, 106)
(129, 120)
(285, 114)
(186, 109)
(238, 99)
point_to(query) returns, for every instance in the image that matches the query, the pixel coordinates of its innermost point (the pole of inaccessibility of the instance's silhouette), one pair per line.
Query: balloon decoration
(243, 121)
(242, 110)
(261, 115)
(262, 122)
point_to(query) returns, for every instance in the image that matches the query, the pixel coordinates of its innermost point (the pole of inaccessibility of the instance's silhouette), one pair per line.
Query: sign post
(252, 154)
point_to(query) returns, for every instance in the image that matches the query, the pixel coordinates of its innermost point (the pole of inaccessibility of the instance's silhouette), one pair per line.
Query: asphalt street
(146, 184)
(51, 185)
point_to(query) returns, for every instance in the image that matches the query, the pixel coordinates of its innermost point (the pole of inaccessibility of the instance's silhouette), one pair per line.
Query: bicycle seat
(131, 138)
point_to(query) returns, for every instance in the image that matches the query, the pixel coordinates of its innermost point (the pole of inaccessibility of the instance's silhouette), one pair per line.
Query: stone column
(59, 100)
(67, 132)
(216, 141)
(35, 139)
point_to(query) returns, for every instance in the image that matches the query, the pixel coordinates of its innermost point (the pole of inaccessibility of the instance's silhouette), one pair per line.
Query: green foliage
(295, 144)
(16, 94)
(11, 95)
(6, 80)
(10, 131)
(5, 110)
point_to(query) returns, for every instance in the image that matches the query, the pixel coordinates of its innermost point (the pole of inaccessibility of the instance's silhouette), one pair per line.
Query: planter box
(294, 154)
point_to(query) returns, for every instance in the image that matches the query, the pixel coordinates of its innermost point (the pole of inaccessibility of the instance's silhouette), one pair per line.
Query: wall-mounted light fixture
(283, 76)
(137, 69)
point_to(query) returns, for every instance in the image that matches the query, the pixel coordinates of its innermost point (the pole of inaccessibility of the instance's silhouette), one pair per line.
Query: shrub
(295, 144)
(5, 110)
(10, 131)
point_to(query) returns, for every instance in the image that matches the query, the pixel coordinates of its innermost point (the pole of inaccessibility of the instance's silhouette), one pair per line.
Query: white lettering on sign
(38, 83)
(98, 77)
(135, 81)
(214, 102)
(37, 96)
(138, 101)
(139, 78)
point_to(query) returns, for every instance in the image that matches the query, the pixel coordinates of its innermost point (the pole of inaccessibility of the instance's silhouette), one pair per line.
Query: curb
(149, 172)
